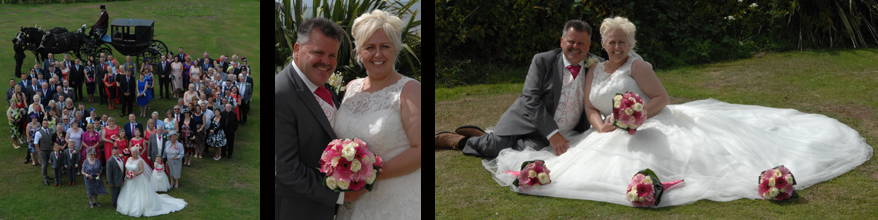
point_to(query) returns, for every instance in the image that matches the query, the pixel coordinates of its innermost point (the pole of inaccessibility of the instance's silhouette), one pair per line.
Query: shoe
(469, 131)
(97, 204)
(448, 140)
(91, 205)
(46, 182)
(34, 165)
(26, 161)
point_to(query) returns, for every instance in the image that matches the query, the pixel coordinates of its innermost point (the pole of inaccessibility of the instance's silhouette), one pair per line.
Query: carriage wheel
(159, 46)
(104, 49)
(150, 53)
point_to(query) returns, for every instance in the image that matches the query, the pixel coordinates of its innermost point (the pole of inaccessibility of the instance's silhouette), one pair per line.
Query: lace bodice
(604, 86)
(375, 119)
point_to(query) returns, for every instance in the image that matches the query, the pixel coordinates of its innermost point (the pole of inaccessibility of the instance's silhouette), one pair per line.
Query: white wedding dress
(375, 119)
(138, 197)
(718, 149)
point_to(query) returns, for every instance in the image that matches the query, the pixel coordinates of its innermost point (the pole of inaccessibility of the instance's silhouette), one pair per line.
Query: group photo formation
(347, 86)
(736, 109)
(131, 109)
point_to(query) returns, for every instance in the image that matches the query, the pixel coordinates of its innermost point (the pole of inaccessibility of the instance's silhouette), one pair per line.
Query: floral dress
(187, 133)
(31, 148)
(218, 137)
(13, 126)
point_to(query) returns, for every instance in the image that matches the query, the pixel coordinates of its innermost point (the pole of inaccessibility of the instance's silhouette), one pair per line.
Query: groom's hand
(351, 196)
(559, 143)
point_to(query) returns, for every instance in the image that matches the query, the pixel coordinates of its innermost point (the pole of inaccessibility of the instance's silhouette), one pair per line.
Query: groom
(304, 111)
(549, 108)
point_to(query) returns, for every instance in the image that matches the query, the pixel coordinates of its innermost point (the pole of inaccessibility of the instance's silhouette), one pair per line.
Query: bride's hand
(608, 125)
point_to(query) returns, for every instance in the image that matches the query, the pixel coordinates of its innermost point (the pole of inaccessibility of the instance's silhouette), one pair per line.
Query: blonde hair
(610, 24)
(367, 24)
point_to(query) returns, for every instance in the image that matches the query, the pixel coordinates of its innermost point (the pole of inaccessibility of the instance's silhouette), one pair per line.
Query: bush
(669, 33)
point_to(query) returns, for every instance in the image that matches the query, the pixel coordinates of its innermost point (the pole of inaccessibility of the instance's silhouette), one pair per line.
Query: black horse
(56, 40)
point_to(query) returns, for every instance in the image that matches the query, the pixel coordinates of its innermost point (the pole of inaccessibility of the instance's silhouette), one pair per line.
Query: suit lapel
(308, 98)
(557, 73)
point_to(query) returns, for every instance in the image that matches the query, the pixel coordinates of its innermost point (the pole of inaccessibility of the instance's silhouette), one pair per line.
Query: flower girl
(159, 179)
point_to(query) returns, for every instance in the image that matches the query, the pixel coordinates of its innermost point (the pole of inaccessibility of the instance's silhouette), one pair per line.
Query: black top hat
(102, 7)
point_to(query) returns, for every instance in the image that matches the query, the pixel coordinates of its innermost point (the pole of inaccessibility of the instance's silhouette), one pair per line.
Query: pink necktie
(324, 94)
(574, 69)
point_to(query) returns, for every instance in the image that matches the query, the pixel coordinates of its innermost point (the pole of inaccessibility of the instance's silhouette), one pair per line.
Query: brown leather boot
(448, 140)
(469, 131)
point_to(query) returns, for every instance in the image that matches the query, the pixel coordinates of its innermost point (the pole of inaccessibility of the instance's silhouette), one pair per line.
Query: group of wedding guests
(73, 140)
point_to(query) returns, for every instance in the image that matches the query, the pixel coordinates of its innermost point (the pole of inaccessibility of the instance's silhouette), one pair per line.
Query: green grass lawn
(225, 189)
(836, 83)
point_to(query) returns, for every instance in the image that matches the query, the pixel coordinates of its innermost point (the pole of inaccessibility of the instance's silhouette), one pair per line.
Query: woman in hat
(91, 172)
(174, 152)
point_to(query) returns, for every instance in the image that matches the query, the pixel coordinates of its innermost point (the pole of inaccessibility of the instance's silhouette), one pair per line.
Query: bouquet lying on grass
(349, 165)
(532, 175)
(629, 111)
(646, 189)
(777, 184)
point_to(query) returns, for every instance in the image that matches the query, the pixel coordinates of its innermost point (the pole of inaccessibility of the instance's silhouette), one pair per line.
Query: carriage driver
(100, 27)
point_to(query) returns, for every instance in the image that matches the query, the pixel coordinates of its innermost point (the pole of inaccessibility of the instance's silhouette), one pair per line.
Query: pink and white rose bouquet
(646, 189)
(130, 174)
(349, 165)
(629, 111)
(532, 175)
(777, 184)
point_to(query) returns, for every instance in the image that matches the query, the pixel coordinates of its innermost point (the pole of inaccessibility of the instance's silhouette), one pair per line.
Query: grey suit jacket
(154, 150)
(57, 161)
(534, 110)
(303, 131)
(115, 175)
(248, 93)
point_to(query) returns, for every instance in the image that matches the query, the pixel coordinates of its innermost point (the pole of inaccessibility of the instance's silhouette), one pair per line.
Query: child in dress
(71, 158)
(57, 162)
(159, 178)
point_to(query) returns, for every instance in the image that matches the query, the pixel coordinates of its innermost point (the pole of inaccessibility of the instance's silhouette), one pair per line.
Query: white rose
(773, 192)
(616, 104)
(371, 179)
(632, 99)
(623, 126)
(531, 174)
(634, 126)
(544, 178)
(777, 173)
(632, 195)
(348, 152)
(356, 165)
(638, 107)
(789, 179)
(343, 184)
(771, 181)
(628, 111)
(334, 161)
(647, 180)
(330, 182)
(617, 98)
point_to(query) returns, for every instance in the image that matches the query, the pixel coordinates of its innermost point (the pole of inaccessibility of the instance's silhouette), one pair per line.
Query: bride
(718, 148)
(138, 196)
(384, 111)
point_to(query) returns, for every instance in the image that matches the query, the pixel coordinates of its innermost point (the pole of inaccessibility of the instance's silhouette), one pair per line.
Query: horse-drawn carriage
(132, 37)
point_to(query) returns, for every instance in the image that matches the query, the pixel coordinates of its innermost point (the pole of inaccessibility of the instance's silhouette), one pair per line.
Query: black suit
(129, 85)
(31, 91)
(306, 132)
(100, 72)
(77, 78)
(19, 58)
(45, 97)
(229, 123)
(164, 71)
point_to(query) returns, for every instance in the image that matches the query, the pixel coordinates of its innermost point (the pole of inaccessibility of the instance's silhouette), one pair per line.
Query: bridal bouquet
(777, 184)
(646, 189)
(130, 174)
(532, 175)
(628, 111)
(349, 165)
